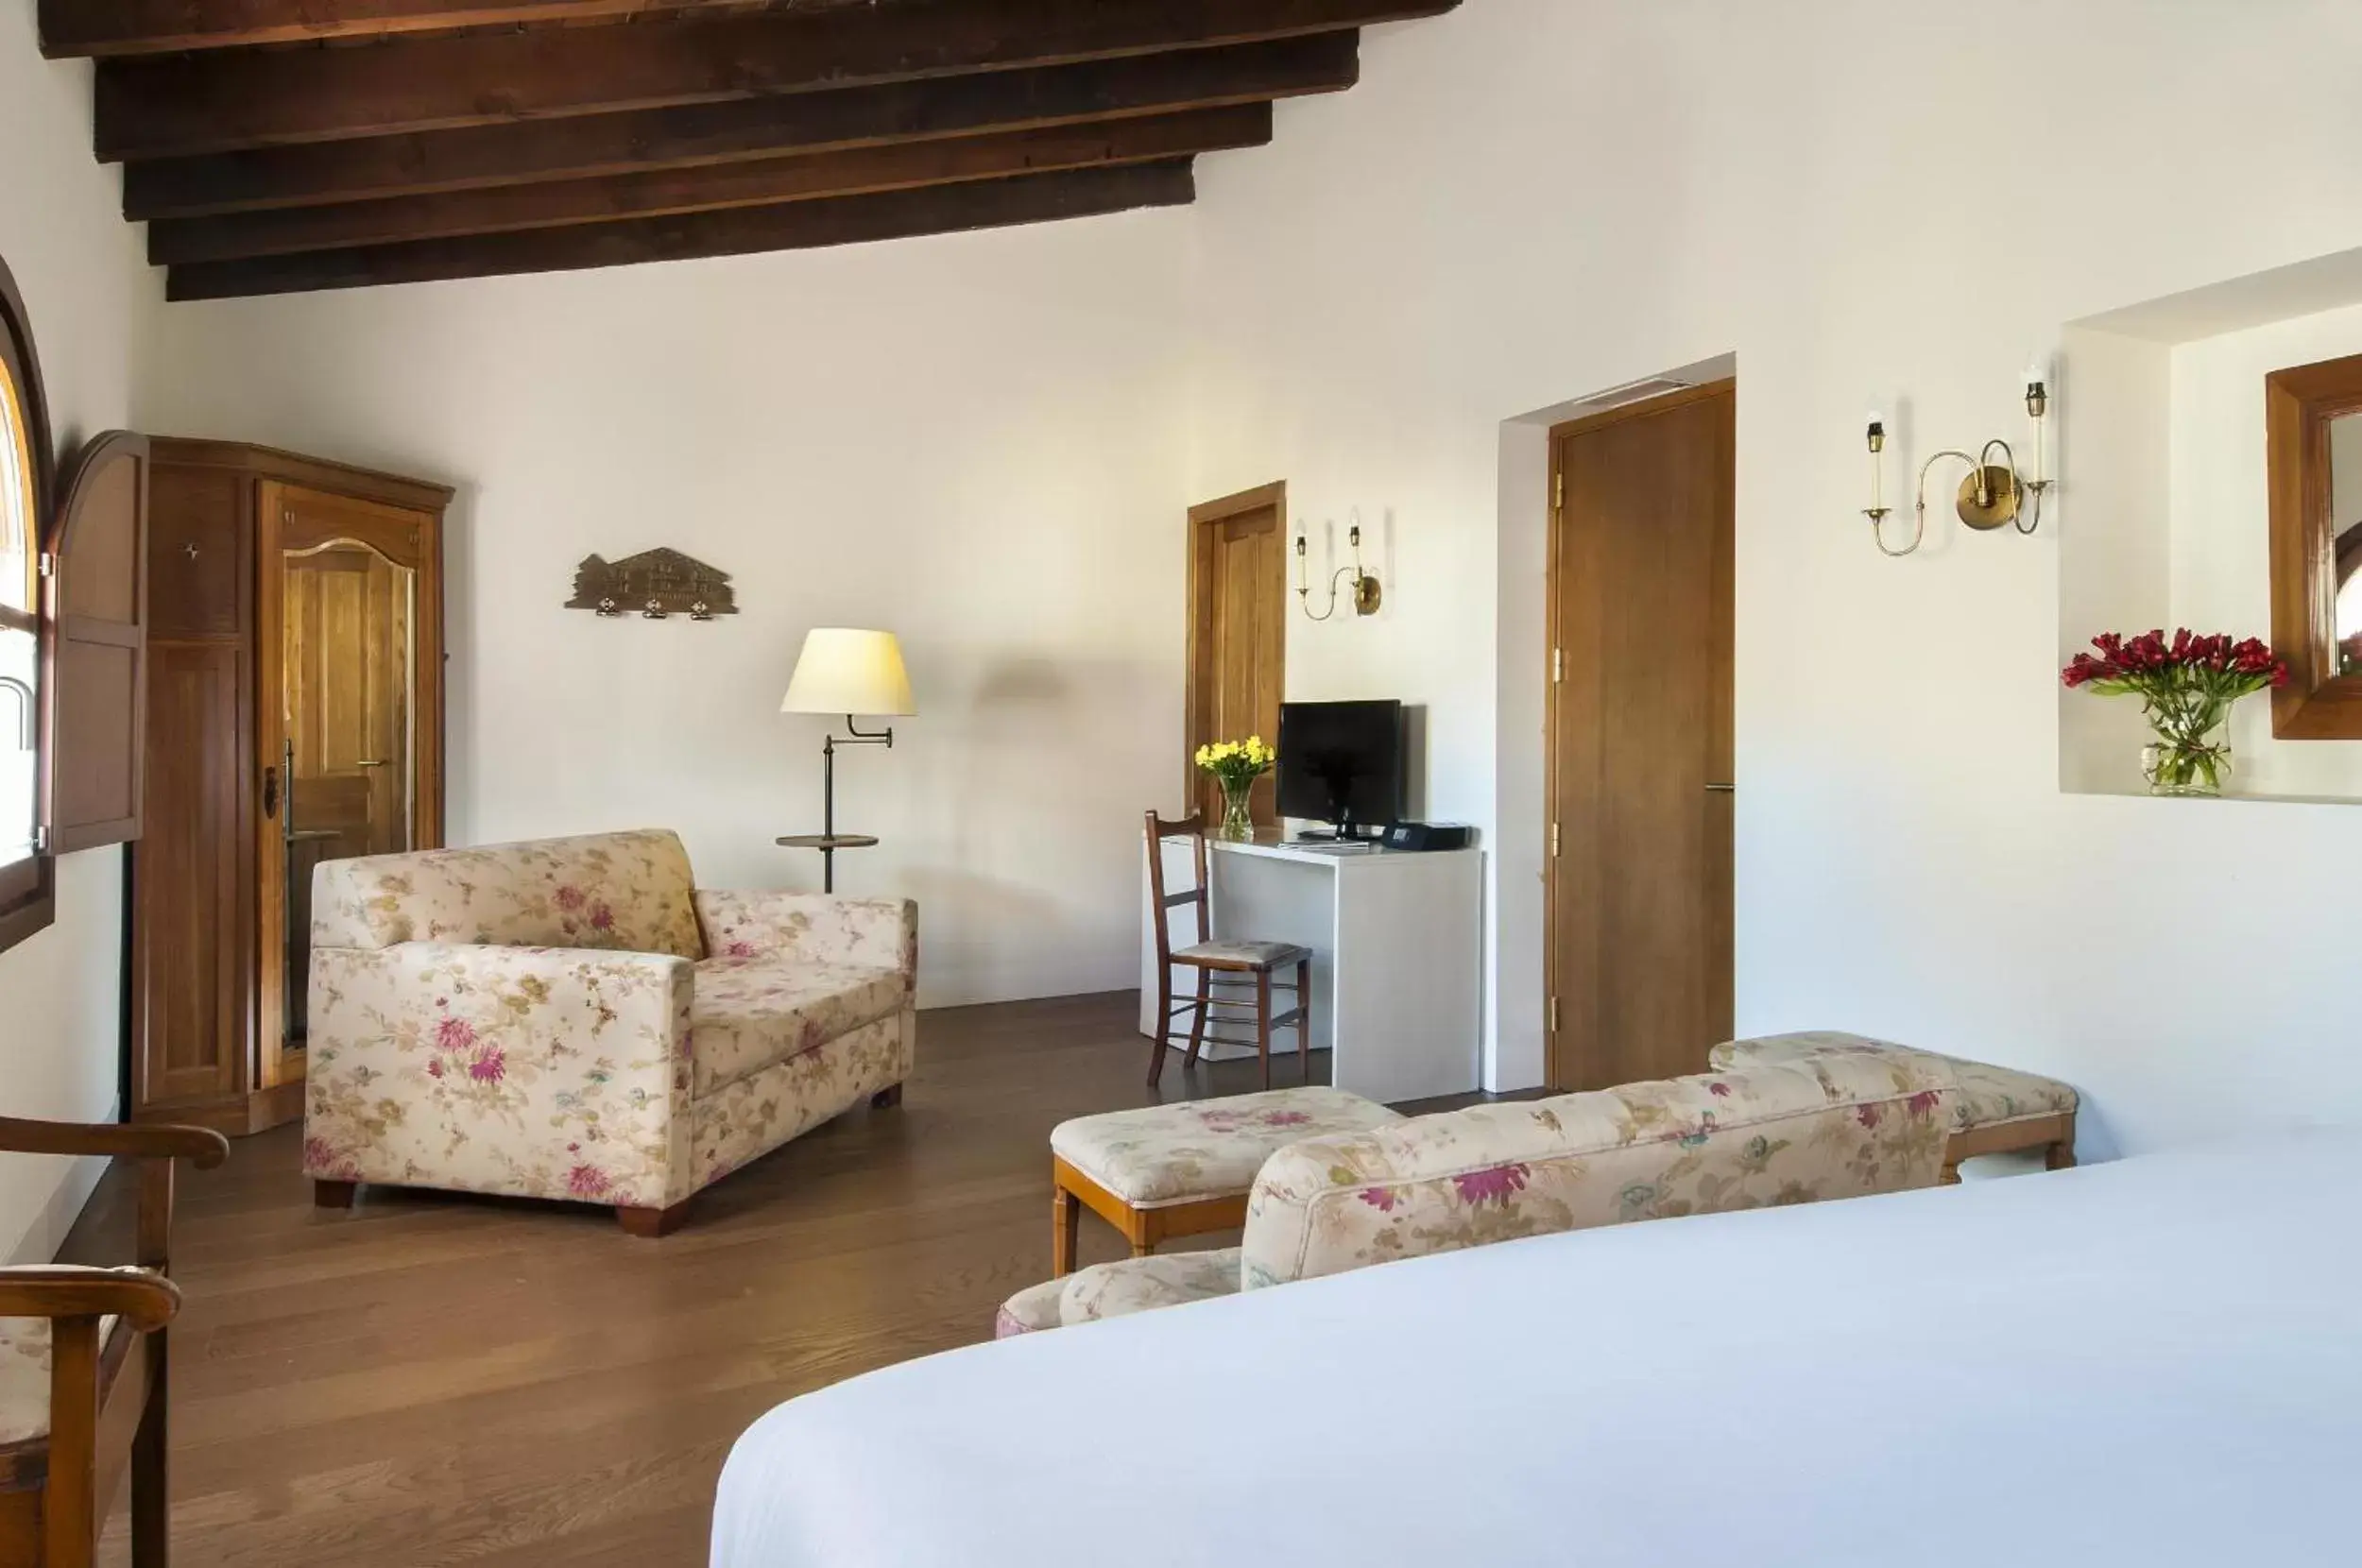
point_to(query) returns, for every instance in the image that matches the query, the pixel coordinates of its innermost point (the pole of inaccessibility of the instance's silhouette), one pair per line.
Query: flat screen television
(1341, 763)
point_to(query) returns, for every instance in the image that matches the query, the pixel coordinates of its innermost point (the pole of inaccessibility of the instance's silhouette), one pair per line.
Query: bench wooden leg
(2058, 1156)
(1066, 1221)
(650, 1223)
(334, 1195)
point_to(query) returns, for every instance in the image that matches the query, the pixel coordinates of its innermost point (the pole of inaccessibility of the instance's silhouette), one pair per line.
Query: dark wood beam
(762, 182)
(799, 225)
(221, 100)
(698, 134)
(107, 28)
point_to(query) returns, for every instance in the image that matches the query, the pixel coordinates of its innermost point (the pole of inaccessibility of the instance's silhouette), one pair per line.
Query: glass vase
(2180, 765)
(1238, 823)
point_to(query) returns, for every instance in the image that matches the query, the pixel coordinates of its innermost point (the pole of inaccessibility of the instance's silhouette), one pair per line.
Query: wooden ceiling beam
(223, 100)
(647, 139)
(112, 28)
(799, 225)
(801, 176)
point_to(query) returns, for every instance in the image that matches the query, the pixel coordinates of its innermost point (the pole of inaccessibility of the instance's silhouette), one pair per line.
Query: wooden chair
(1232, 963)
(107, 1380)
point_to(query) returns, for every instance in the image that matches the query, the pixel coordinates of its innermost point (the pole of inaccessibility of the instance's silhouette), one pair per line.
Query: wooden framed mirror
(2313, 423)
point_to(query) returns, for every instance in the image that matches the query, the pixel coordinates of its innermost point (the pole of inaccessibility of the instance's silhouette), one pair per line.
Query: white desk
(1397, 959)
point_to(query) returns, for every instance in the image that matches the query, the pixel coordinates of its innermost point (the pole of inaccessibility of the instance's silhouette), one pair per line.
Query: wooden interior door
(1640, 789)
(1237, 633)
(345, 733)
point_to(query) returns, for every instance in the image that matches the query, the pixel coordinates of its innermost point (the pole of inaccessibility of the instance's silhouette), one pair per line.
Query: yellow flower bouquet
(1236, 765)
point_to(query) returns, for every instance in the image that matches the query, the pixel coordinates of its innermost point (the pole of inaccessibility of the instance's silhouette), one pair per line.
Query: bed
(2156, 1362)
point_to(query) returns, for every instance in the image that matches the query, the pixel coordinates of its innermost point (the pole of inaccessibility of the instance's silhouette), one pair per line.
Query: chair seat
(745, 1014)
(25, 1366)
(1207, 1148)
(1251, 957)
(1984, 1096)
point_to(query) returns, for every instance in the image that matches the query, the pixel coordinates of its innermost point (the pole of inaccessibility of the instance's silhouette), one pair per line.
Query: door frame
(1196, 698)
(1556, 494)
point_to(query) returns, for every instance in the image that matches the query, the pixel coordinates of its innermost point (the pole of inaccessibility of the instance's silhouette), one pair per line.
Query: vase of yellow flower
(1236, 765)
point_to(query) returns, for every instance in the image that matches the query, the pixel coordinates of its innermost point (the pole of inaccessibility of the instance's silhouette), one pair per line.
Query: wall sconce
(1367, 594)
(1992, 495)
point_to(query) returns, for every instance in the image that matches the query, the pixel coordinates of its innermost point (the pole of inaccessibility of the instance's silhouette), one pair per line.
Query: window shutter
(96, 671)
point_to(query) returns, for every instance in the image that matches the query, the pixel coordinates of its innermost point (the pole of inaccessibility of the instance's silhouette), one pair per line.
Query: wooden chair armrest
(146, 1302)
(200, 1146)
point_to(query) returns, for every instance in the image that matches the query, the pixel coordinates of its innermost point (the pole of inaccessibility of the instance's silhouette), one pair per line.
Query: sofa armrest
(816, 928)
(1787, 1134)
(540, 1071)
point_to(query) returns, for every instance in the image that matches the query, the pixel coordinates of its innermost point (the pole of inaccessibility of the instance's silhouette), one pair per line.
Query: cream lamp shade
(843, 671)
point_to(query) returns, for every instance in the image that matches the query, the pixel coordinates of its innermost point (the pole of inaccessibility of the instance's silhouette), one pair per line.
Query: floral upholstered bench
(1995, 1110)
(1184, 1170)
(1774, 1133)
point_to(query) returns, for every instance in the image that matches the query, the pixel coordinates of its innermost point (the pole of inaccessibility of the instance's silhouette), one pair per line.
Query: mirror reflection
(2345, 523)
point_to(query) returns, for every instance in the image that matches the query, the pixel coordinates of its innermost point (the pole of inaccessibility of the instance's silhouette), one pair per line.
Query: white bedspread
(2154, 1362)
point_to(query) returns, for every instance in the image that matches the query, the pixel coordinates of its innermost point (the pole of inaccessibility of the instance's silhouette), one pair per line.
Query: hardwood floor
(430, 1378)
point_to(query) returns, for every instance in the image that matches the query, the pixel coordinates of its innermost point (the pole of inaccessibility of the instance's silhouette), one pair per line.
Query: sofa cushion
(621, 891)
(1207, 1147)
(747, 1013)
(1986, 1096)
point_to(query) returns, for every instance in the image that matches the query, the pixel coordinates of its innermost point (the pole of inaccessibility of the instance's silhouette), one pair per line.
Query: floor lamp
(848, 671)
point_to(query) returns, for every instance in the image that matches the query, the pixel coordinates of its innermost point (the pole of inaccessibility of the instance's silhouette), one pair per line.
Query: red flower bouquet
(2187, 686)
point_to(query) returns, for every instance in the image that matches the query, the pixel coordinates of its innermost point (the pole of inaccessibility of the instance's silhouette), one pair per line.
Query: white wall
(1531, 199)
(88, 293)
(977, 441)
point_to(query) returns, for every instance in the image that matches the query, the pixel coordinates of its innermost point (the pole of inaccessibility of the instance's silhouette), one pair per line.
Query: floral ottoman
(1184, 1170)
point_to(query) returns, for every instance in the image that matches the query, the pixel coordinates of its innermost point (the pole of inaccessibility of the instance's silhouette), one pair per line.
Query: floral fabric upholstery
(750, 1013)
(24, 1364)
(619, 891)
(1840, 1126)
(1207, 1148)
(1821, 1128)
(743, 1121)
(533, 1071)
(1986, 1096)
(624, 1078)
(811, 928)
(1143, 1284)
(1031, 1310)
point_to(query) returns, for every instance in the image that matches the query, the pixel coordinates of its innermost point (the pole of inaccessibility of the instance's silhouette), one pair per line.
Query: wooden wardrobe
(294, 714)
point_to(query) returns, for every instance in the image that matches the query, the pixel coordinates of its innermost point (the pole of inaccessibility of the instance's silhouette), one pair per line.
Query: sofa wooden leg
(334, 1195)
(1951, 1176)
(887, 1098)
(652, 1223)
(2058, 1156)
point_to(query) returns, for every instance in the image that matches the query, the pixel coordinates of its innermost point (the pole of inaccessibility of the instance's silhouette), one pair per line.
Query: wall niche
(2165, 514)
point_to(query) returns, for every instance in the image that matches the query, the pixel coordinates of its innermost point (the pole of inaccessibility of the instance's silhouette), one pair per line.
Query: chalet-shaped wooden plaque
(656, 583)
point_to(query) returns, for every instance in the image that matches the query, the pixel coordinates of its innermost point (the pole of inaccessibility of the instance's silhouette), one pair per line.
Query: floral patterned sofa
(1790, 1132)
(573, 1018)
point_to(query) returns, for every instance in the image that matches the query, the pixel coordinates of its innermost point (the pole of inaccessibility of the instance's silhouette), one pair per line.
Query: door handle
(270, 791)
(370, 762)
(1722, 788)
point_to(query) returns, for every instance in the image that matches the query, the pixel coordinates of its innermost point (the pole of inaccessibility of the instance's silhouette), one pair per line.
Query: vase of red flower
(2186, 686)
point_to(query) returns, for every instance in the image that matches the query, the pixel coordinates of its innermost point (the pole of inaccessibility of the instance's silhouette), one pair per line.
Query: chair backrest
(1162, 902)
(623, 892)
(1790, 1132)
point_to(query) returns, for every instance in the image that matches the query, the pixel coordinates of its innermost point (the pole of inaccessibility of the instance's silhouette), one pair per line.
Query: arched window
(24, 476)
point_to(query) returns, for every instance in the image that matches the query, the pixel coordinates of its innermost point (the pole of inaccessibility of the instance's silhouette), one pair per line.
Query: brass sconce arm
(1992, 494)
(1367, 594)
